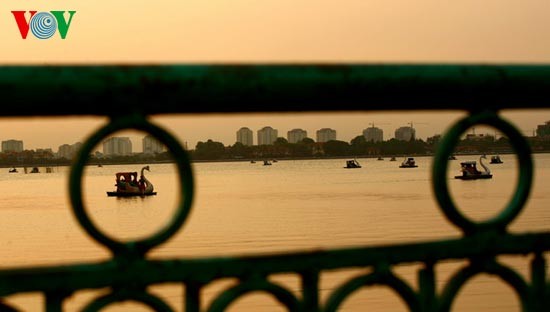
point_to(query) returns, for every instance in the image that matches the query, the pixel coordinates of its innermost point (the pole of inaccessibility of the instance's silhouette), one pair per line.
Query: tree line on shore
(357, 147)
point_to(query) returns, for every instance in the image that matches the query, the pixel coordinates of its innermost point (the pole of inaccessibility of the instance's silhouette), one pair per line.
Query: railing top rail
(60, 90)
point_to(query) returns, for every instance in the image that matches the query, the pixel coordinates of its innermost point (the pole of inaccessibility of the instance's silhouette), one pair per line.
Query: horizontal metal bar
(231, 88)
(145, 272)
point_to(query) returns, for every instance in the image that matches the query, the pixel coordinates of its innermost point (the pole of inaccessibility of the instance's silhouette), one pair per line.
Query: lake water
(244, 208)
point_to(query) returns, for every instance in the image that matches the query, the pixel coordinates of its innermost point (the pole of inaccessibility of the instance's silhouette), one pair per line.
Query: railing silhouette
(131, 94)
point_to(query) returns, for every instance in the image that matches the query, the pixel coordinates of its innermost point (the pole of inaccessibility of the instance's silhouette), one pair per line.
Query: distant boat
(13, 170)
(470, 172)
(274, 160)
(409, 162)
(452, 157)
(393, 159)
(252, 161)
(496, 160)
(380, 158)
(351, 164)
(267, 163)
(35, 170)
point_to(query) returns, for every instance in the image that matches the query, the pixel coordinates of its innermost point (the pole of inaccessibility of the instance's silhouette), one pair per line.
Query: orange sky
(198, 31)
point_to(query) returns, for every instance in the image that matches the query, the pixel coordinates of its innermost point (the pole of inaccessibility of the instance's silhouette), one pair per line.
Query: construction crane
(380, 123)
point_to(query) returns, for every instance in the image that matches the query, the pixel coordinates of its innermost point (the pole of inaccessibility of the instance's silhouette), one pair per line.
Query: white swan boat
(470, 172)
(127, 184)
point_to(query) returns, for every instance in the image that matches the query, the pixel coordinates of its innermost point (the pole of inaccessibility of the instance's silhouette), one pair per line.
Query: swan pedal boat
(470, 172)
(128, 185)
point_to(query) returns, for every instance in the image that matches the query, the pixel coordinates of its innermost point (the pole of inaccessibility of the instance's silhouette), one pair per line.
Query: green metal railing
(482, 91)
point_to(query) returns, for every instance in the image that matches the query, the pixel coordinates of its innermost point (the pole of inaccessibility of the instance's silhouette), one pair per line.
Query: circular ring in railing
(508, 275)
(141, 246)
(149, 300)
(284, 296)
(439, 173)
(376, 278)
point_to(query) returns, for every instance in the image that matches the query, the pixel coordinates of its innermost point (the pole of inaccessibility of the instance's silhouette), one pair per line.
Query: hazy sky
(199, 31)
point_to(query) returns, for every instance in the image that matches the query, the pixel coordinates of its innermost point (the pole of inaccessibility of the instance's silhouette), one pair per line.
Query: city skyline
(191, 130)
(283, 31)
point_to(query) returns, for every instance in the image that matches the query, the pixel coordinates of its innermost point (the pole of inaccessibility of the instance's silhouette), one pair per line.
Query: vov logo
(43, 25)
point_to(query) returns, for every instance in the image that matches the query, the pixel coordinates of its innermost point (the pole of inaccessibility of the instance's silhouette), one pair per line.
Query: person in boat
(133, 179)
(126, 180)
(120, 183)
(469, 169)
(142, 184)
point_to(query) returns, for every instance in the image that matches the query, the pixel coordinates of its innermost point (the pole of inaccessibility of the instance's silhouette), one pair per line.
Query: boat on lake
(351, 164)
(470, 172)
(409, 162)
(13, 170)
(127, 184)
(267, 163)
(496, 160)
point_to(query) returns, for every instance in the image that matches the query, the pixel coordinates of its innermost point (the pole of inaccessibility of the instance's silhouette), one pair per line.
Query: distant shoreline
(260, 159)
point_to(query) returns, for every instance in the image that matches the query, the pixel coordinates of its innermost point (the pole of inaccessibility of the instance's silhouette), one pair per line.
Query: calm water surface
(244, 208)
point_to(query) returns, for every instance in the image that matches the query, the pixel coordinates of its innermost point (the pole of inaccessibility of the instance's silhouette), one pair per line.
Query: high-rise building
(117, 146)
(373, 134)
(542, 130)
(266, 136)
(151, 145)
(325, 135)
(68, 151)
(65, 151)
(405, 134)
(296, 135)
(12, 146)
(245, 136)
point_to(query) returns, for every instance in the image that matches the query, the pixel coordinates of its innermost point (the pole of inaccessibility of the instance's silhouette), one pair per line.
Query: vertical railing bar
(538, 285)
(192, 297)
(427, 291)
(310, 290)
(54, 301)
